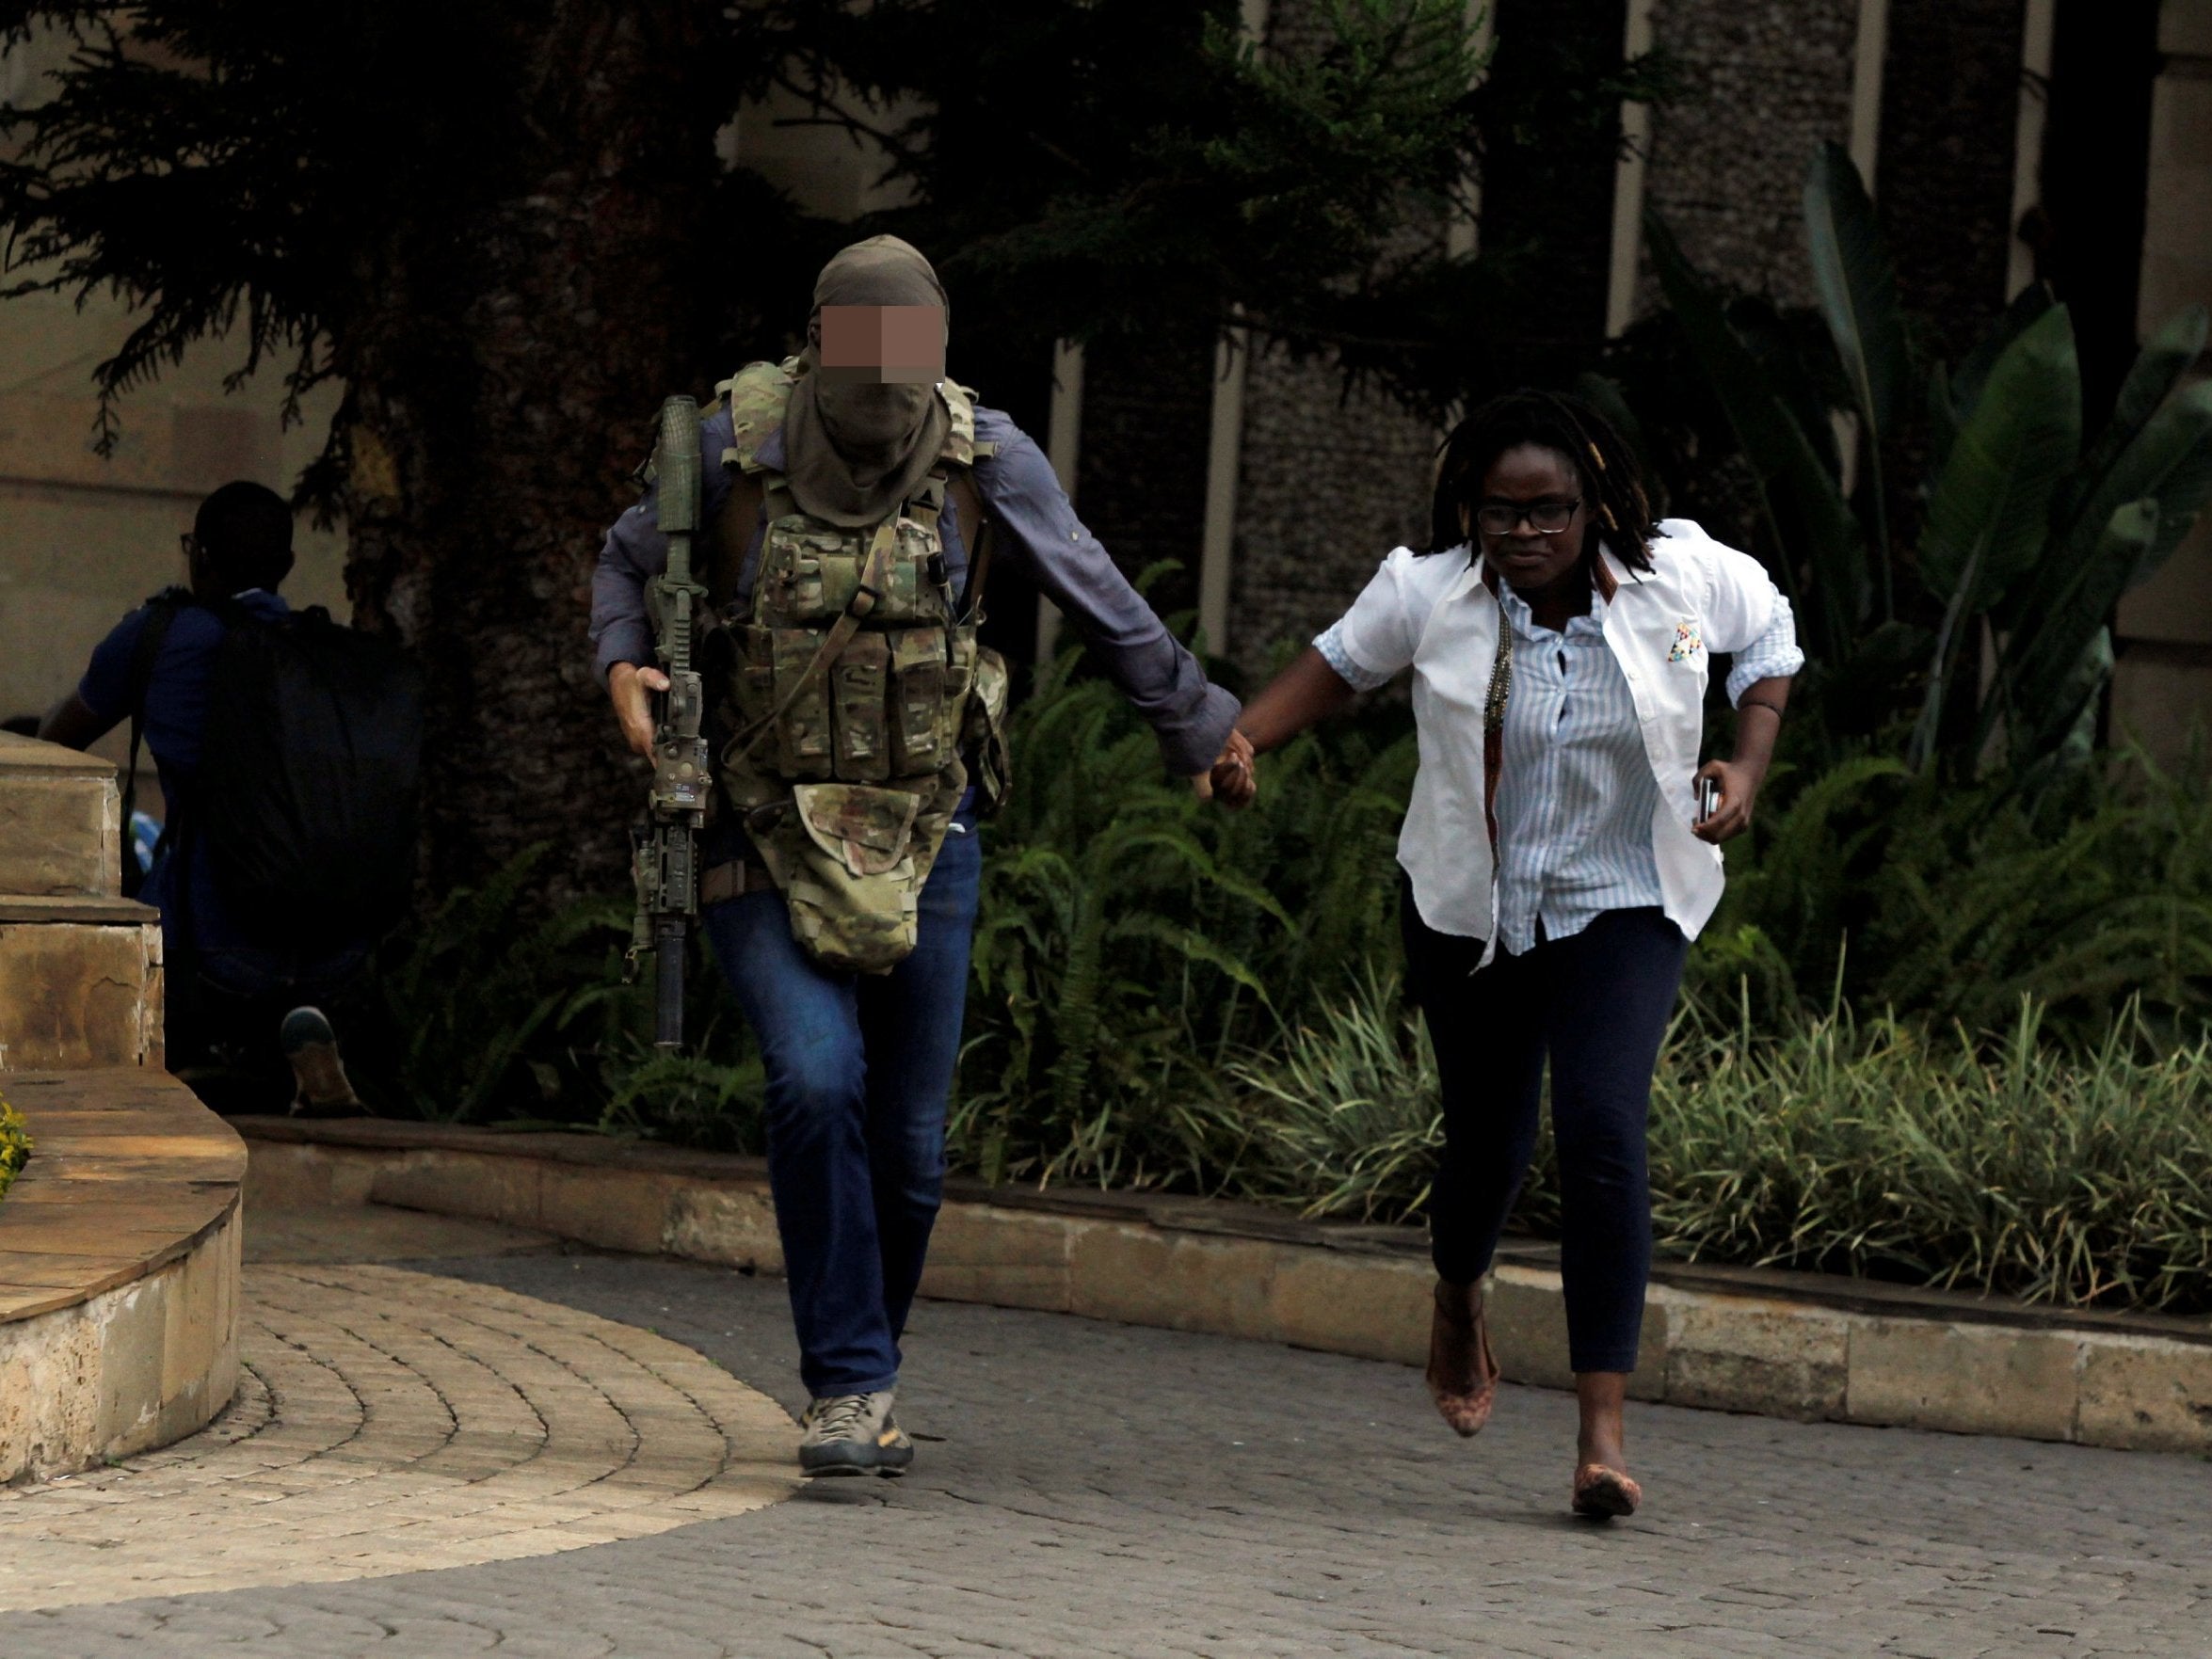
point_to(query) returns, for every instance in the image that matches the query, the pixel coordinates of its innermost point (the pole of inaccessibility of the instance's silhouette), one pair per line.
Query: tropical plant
(1897, 1149)
(1904, 890)
(15, 1145)
(1132, 939)
(2021, 541)
(1345, 1117)
(290, 182)
(493, 1010)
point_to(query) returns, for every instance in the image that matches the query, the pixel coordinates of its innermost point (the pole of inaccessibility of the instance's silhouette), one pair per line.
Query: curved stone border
(119, 1269)
(392, 1422)
(1787, 1345)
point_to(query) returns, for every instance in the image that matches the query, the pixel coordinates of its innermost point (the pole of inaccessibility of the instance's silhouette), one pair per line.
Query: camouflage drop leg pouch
(850, 860)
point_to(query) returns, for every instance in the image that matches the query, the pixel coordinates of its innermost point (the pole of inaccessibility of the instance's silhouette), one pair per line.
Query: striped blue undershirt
(1575, 798)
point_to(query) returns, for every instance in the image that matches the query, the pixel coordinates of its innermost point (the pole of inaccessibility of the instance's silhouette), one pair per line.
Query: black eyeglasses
(189, 542)
(1546, 518)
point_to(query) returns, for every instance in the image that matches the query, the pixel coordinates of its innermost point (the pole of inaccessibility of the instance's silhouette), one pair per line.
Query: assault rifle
(664, 849)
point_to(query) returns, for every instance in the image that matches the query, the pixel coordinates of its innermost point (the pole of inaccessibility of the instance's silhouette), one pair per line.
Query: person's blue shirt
(1189, 715)
(175, 726)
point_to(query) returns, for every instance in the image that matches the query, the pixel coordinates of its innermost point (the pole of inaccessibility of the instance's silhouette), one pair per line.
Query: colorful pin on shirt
(1688, 642)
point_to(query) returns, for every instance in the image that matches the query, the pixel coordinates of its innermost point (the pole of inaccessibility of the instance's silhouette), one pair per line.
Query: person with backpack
(288, 748)
(851, 497)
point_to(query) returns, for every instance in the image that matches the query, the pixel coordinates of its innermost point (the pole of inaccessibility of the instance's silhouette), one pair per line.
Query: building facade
(2004, 139)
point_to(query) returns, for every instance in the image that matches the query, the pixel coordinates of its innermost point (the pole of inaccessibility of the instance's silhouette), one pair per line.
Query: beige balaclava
(855, 450)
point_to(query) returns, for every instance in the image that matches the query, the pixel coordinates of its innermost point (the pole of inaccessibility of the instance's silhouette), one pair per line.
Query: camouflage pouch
(845, 859)
(983, 732)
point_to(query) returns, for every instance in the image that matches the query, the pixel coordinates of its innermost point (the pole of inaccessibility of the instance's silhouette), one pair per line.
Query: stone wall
(1328, 484)
(1765, 80)
(1950, 102)
(1141, 478)
(1328, 480)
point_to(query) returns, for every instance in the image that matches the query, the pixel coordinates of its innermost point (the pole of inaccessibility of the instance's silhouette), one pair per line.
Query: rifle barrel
(668, 984)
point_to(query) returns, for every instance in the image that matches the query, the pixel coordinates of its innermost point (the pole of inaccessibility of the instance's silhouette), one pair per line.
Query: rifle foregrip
(668, 984)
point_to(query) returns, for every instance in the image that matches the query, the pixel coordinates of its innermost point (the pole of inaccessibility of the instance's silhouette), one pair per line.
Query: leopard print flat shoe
(1463, 1372)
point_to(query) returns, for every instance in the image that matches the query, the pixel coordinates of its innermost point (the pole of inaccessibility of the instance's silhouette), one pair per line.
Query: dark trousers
(221, 1039)
(1598, 1005)
(859, 1068)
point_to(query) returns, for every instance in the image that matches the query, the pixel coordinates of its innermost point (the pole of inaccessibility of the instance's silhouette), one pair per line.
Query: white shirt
(1432, 614)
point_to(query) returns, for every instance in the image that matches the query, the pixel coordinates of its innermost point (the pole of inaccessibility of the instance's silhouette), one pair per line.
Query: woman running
(1560, 851)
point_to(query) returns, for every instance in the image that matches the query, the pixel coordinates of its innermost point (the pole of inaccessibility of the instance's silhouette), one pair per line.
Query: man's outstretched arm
(1192, 718)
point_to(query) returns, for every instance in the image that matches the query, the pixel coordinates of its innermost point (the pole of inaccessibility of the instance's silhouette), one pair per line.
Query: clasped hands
(1230, 780)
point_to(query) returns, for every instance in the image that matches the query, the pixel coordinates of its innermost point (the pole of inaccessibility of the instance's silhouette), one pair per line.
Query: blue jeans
(859, 1068)
(1597, 1004)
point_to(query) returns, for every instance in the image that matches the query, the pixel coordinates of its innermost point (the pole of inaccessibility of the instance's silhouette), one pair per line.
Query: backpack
(310, 773)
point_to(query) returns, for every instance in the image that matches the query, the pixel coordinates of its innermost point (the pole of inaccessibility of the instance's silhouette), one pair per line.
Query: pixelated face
(882, 344)
(1535, 494)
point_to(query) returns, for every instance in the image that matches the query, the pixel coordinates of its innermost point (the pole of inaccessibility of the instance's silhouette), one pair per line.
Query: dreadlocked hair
(1613, 480)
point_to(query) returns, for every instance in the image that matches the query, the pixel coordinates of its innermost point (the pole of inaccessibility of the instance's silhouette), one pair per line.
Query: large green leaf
(2168, 465)
(2158, 369)
(1953, 393)
(1857, 285)
(1989, 515)
(1858, 298)
(2039, 685)
(1800, 497)
(2169, 459)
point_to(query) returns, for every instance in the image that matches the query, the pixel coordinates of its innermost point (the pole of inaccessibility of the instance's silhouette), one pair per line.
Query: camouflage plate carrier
(855, 685)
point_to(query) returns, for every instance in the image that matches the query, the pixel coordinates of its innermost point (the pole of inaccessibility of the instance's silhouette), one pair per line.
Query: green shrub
(1133, 938)
(1886, 1148)
(1953, 904)
(15, 1145)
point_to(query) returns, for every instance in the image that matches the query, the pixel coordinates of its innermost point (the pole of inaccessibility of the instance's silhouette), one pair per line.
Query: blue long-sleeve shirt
(1037, 529)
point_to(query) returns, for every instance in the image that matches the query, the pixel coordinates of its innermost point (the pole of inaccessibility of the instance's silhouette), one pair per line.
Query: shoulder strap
(1493, 717)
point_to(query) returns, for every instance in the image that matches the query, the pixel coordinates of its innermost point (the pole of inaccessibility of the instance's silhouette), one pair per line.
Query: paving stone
(392, 1422)
(1090, 1488)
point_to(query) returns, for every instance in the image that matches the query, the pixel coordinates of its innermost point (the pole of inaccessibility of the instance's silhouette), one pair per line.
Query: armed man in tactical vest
(848, 503)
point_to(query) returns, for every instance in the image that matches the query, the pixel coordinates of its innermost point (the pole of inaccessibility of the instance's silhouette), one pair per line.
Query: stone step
(58, 831)
(80, 983)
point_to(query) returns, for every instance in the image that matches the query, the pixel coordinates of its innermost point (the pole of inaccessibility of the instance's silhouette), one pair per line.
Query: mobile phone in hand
(1708, 797)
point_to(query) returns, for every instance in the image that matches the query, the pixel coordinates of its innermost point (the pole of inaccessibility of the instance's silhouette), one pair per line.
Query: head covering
(855, 451)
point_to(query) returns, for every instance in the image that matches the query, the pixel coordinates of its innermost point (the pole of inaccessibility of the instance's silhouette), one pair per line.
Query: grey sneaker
(311, 1046)
(853, 1434)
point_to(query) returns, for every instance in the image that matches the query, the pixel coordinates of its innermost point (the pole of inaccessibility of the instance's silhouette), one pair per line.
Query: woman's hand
(1739, 789)
(1230, 781)
(631, 689)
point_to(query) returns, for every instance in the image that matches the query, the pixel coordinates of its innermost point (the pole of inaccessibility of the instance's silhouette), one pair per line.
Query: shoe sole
(1604, 1502)
(853, 1458)
(833, 1471)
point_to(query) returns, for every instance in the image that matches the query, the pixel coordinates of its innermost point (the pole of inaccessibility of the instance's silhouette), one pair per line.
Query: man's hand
(1232, 780)
(631, 689)
(1740, 788)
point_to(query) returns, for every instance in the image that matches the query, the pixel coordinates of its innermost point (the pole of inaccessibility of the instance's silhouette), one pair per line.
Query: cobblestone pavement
(1091, 1490)
(388, 1422)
